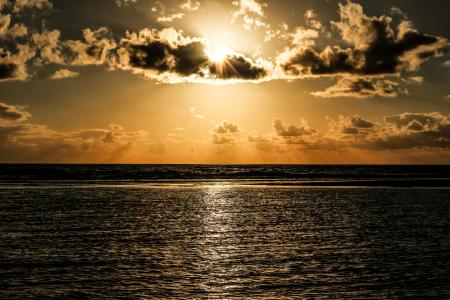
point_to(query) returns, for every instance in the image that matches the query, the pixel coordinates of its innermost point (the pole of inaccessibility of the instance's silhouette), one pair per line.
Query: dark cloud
(361, 123)
(429, 131)
(292, 130)
(403, 131)
(362, 88)
(236, 67)
(13, 113)
(345, 127)
(163, 57)
(13, 65)
(226, 127)
(168, 52)
(416, 130)
(8, 70)
(377, 48)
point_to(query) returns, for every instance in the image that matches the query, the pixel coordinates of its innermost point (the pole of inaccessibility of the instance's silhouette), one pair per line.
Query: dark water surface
(224, 236)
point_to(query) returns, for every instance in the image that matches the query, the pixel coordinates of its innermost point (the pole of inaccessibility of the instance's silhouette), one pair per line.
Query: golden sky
(229, 81)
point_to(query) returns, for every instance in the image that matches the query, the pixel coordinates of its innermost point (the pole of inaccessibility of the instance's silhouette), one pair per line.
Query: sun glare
(218, 49)
(219, 54)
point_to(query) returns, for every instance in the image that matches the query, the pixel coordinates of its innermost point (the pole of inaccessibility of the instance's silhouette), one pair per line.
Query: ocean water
(224, 232)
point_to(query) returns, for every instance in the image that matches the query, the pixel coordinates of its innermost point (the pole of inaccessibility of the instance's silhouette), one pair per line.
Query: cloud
(403, 131)
(226, 127)
(45, 48)
(292, 130)
(170, 18)
(162, 51)
(48, 47)
(362, 88)
(376, 48)
(94, 50)
(23, 141)
(311, 20)
(64, 73)
(19, 5)
(11, 32)
(5, 21)
(190, 5)
(13, 64)
(225, 133)
(122, 3)
(10, 113)
(397, 11)
(236, 66)
(264, 144)
(416, 130)
(169, 56)
(348, 127)
(251, 12)
(429, 131)
(414, 80)
(31, 4)
(4, 3)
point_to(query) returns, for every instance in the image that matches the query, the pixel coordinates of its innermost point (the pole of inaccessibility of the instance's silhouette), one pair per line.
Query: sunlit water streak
(221, 241)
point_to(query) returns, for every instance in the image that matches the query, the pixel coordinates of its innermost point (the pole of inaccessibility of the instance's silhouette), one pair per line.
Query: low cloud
(225, 133)
(13, 113)
(22, 141)
(346, 127)
(292, 130)
(64, 73)
(403, 131)
(264, 144)
(429, 131)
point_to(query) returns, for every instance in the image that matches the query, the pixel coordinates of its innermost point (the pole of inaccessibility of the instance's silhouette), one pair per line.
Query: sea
(224, 232)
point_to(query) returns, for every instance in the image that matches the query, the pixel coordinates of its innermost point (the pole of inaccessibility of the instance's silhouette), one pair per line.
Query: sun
(220, 54)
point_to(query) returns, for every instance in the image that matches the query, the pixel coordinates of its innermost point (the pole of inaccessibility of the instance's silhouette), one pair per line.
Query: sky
(225, 81)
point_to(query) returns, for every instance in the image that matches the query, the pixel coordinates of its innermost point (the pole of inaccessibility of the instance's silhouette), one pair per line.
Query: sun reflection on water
(219, 236)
